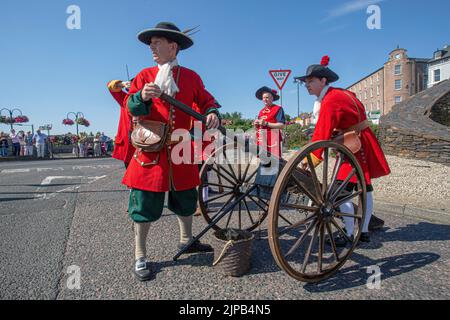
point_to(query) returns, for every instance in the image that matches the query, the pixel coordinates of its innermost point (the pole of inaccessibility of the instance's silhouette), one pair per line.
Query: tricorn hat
(265, 89)
(169, 31)
(320, 71)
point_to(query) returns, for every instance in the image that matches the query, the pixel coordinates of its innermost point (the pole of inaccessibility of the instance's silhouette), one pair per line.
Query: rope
(222, 254)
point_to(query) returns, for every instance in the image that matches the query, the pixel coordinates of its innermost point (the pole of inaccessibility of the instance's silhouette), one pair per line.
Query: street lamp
(79, 117)
(298, 82)
(11, 120)
(47, 127)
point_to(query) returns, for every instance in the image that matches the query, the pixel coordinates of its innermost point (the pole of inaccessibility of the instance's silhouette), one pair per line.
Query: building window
(398, 69)
(371, 92)
(378, 77)
(398, 99)
(365, 83)
(371, 81)
(398, 56)
(378, 105)
(365, 95)
(398, 84)
(359, 86)
(378, 90)
(371, 106)
(437, 75)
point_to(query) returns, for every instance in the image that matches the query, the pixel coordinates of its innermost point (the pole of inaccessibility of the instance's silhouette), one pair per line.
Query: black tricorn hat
(265, 89)
(320, 71)
(169, 31)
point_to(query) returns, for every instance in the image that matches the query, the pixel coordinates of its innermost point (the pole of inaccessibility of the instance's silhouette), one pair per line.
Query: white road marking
(15, 170)
(49, 169)
(48, 180)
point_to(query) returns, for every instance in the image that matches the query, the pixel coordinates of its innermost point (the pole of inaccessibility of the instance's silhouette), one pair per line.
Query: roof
(365, 77)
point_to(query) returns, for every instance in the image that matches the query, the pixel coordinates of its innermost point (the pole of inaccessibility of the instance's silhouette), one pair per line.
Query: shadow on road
(357, 275)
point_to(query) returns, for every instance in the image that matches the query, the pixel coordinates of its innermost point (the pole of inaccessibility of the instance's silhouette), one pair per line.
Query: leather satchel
(350, 137)
(149, 135)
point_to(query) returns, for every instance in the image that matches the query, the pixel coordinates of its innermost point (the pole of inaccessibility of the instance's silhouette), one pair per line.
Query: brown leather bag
(350, 136)
(149, 135)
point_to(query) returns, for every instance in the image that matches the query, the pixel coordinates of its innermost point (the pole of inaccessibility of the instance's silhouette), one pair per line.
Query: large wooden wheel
(228, 174)
(302, 233)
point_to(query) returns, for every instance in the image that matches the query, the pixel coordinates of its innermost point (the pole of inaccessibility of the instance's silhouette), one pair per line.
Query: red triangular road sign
(280, 77)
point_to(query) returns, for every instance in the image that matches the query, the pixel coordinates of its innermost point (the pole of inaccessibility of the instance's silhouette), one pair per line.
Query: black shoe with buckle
(142, 270)
(197, 246)
(340, 241)
(375, 223)
(364, 237)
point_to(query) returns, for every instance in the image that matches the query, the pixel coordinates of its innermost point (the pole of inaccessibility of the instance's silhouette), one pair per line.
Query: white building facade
(439, 66)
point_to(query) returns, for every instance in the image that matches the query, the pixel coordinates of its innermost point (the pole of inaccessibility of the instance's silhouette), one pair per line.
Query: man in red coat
(123, 149)
(151, 175)
(270, 121)
(339, 109)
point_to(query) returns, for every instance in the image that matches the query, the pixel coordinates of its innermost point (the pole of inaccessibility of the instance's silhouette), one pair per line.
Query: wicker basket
(232, 257)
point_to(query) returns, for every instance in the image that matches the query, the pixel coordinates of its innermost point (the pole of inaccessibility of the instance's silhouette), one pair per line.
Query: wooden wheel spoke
(229, 218)
(343, 185)
(337, 167)
(306, 191)
(231, 168)
(308, 252)
(230, 175)
(285, 219)
(240, 218)
(299, 207)
(222, 207)
(302, 238)
(347, 198)
(325, 172)
(220, 175)
(340, 230)
(251, 176)
(297, 225)
(217, 185)
(247, 167)
(321, 247)
(218, 197)
(342, 214)
(249, 213)
(259, 205)
(333, 243)
(314, 178)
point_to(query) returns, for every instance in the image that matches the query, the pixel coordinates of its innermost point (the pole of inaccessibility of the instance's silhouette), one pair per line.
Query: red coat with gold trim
(338, 112)
(123, 149)
(165, 175)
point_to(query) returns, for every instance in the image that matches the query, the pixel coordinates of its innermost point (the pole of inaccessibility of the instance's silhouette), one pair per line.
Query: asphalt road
(65, 215)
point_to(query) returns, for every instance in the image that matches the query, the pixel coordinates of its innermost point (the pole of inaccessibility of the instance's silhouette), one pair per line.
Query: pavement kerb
(409, 210)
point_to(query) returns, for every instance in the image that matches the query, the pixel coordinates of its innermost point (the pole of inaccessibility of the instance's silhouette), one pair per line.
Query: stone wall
(409, 131)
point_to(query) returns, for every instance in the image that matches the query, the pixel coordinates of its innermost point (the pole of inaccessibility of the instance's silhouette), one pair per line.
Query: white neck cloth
(164, 78)
(318, 104)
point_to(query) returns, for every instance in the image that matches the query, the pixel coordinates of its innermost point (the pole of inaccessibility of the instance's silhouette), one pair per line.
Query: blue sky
(48, 70)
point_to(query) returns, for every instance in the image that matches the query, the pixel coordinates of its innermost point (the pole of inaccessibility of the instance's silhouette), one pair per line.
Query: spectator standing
(15, 142)
(28, 144)
(3, 144)
(40, 139)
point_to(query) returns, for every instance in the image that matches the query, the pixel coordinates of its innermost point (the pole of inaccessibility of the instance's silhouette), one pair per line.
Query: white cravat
(164, 78)
(318, 104)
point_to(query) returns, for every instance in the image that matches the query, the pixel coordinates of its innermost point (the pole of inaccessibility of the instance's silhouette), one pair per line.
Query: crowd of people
(22, 144)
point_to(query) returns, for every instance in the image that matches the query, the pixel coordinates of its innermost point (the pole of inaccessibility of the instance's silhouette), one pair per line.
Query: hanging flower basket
(8, 120)
(68, 122)
(83, 122)
(21, 119)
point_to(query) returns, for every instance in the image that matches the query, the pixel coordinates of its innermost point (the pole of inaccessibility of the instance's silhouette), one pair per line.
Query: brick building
(399, 78)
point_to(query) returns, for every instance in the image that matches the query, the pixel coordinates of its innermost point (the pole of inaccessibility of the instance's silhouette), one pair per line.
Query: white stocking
(347, 207)
(369, 211)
